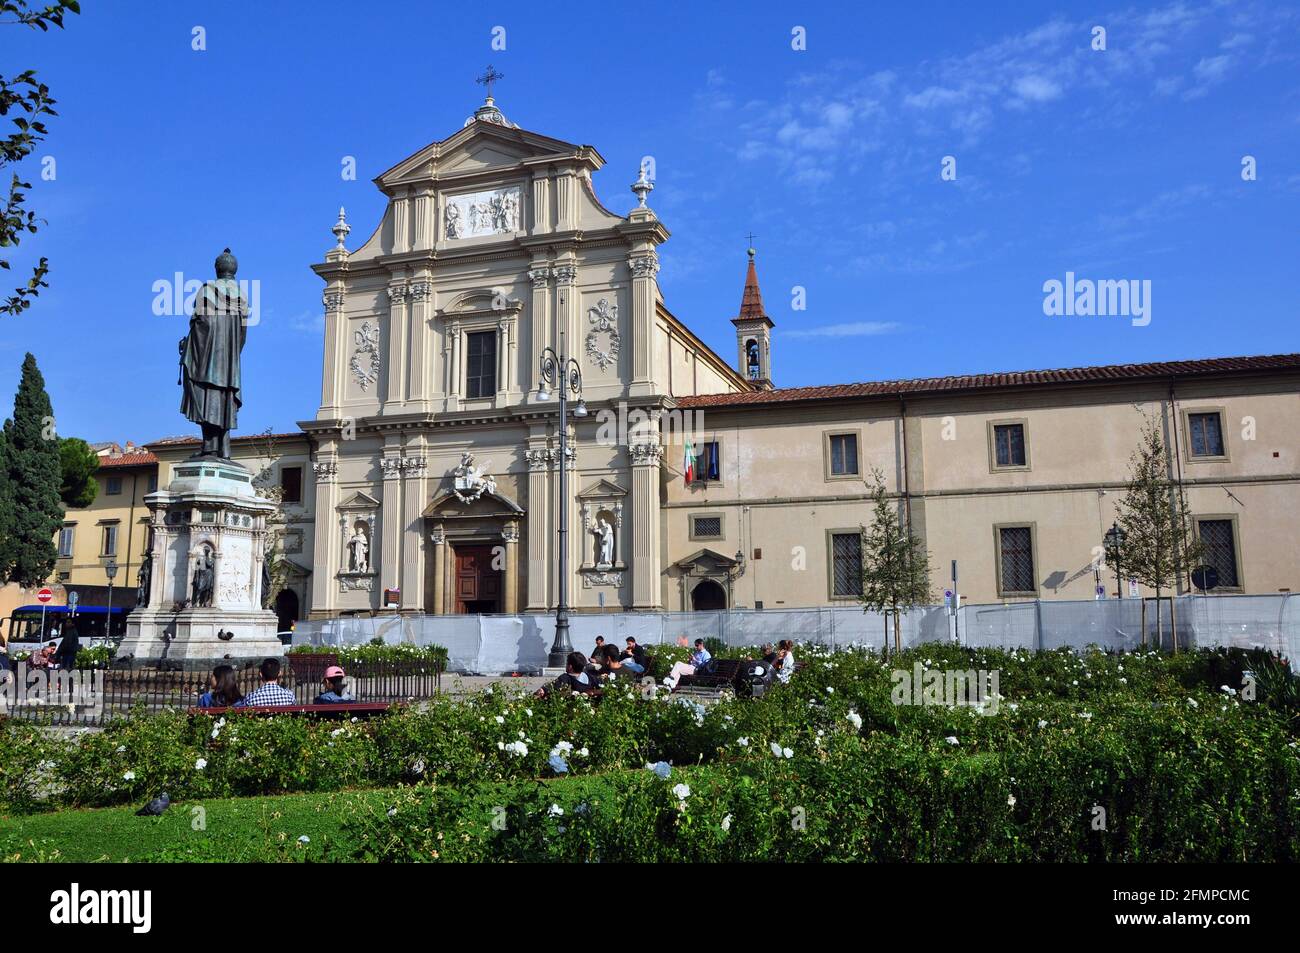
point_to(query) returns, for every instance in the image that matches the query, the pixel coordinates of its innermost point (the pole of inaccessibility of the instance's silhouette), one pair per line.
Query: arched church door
(708, 595)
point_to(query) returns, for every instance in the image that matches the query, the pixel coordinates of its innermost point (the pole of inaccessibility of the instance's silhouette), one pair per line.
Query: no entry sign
(45, 595)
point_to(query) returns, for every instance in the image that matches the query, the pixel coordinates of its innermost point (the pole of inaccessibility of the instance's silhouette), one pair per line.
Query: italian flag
(688, 463)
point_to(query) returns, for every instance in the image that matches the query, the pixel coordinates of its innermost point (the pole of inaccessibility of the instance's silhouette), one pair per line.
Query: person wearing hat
(333, 694)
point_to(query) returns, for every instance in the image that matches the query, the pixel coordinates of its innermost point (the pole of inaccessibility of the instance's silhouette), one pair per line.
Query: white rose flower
(200, 764)
(681, 791)
(952, 740)
(129, 776)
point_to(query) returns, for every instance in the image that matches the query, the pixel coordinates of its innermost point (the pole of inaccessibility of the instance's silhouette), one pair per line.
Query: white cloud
(1037, 89)
(855, 329)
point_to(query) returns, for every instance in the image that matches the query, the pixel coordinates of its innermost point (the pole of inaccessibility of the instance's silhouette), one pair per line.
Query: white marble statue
(359, 551)
(604, 542)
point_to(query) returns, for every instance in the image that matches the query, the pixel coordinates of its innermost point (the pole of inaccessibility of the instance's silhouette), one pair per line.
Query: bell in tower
(754, 333)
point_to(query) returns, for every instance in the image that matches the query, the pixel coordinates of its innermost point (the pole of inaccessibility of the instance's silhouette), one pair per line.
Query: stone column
(645, 524)
(438, 537)
(451, 364)
(324, 558)
(414, 467)
(398, 291)
(566, 311)
(335, 343)
(539, 528)
(390, 517)
(510, 534)
(644, 266)
(541, 203)
(419, 384)
(539, 326)
(422, 220)
(401, 225)
(566, 201)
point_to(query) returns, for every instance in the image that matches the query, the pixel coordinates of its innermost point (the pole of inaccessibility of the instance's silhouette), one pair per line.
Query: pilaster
(645, 524)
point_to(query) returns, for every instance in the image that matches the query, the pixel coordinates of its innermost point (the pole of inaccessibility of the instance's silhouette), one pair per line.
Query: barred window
(1220, 550)
(846, 564)
(1016, 546)
(706, 527)
(481, 364)
(1206, 434)
(1009, 444)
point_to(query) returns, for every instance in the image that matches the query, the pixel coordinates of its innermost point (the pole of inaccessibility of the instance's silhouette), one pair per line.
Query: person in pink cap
(333, 694)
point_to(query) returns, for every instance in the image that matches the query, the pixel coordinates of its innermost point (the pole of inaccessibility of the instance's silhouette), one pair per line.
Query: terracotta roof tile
(932, 385)
(128, 460)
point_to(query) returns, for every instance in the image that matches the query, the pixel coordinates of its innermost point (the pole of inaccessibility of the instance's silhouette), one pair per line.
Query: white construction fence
(499, 644)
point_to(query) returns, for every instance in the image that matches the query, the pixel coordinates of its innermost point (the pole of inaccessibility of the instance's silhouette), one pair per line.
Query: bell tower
(754, 334)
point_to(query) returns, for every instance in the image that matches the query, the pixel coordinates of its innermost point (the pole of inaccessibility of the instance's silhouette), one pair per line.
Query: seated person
(769, 653)
(698, 659)
(270, 692)
(600, 647)
(613, 665)
(333, 694)
(574, 679)
(784, 660)
(634, 657)
(42, 658)
(223, 689)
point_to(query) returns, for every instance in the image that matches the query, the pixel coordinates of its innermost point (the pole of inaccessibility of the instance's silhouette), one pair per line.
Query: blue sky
(1123, 163)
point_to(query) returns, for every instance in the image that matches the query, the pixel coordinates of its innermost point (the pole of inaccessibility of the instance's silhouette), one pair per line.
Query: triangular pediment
(706, 559)
(481, 147)
(602, 490)
(359, 501)
(449, 506)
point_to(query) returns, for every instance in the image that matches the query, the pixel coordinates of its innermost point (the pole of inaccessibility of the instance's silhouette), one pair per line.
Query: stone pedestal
(208, 512)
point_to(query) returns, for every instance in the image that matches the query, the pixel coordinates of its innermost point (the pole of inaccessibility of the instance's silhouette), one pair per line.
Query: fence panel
(492, 645)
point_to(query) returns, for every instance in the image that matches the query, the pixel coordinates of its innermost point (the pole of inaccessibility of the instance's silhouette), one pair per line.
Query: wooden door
(477, 584)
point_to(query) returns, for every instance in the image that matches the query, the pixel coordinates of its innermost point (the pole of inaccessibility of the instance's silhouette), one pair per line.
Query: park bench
(347, 710)
(723, 674)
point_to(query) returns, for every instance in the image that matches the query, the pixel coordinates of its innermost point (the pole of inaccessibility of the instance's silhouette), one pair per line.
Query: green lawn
(235, 829)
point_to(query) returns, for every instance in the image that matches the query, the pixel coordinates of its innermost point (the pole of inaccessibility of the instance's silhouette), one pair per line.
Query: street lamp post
(1114, 541)
(110, 570)
(565, 376)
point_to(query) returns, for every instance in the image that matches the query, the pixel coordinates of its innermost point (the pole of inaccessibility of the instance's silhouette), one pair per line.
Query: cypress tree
(31, 511)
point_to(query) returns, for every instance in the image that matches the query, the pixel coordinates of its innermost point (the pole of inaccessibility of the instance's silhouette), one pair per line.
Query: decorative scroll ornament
(591, 579)
(325, 471)
(365, 363)
(604, 320)
(470, 482)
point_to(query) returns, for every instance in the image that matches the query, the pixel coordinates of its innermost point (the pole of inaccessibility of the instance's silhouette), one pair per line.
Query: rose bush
(1080, 756)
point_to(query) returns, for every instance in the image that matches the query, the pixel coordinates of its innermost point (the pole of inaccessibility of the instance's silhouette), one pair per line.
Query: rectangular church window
(844, 454)
(1009, 445)
(846, 565)
(1206, 434)
(1016, 561)
(481, 364)
(291, 484)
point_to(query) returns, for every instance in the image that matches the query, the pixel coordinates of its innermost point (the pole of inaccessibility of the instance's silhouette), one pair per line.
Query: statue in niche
(604, 542)
(359, 550)
(204, 581)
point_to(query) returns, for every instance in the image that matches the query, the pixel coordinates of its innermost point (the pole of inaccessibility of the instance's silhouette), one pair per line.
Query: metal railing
(95, 696)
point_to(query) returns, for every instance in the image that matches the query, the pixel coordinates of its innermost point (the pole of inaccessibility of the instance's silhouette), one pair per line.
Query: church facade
(691, 481)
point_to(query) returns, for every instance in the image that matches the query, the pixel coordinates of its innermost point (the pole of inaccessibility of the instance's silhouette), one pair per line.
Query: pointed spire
(751, 302)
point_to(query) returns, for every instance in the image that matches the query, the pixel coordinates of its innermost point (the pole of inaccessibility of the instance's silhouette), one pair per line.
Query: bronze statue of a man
(210, 374)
